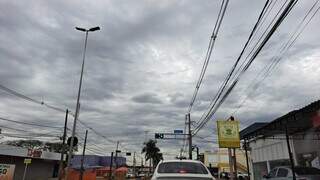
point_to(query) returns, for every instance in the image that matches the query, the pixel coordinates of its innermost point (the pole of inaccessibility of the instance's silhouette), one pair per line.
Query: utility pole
(190, 135)
(231, 158)
(63, 150)
(197, 148)
(83, 153)
(116, 159)
(247, 159)
(134, 164)
(235, 164)
(290, 155)
(231, 164)
(111, 166)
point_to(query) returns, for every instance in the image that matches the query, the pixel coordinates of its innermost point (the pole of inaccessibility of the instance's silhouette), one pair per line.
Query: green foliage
(152, 152)
(40, 145)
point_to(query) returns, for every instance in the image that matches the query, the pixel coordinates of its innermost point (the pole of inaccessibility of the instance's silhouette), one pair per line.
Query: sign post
(229, 137)
(26, 161)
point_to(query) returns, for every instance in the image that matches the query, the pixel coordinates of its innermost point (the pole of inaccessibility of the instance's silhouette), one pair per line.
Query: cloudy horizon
(142, 66)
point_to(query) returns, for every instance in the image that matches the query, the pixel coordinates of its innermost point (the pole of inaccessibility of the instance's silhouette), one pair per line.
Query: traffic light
(159, 135)
(75, 141)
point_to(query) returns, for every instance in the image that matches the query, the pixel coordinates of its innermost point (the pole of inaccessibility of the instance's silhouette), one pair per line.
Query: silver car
(285, 173)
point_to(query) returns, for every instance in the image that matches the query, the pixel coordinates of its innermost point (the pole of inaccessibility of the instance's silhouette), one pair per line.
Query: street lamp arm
(94, 28)
(81, 29)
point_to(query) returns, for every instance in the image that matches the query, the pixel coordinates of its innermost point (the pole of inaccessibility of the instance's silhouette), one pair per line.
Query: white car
(181, 169)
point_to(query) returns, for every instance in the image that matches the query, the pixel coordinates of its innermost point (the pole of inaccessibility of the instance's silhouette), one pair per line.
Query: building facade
(296, 133)
(219, 160)
(44, 165)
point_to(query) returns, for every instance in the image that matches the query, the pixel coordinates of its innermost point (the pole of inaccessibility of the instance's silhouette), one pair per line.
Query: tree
(152, 152)
(30, 144)
(39, 145)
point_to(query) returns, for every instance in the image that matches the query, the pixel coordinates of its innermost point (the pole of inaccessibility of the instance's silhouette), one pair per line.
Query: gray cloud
(147, 98)
(141, 68)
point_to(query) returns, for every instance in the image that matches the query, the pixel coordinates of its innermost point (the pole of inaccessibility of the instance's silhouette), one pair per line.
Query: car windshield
(307, 171)
(182, 167)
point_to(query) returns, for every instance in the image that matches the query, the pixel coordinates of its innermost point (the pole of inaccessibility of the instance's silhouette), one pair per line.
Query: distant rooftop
(293, 122)
(8, 150)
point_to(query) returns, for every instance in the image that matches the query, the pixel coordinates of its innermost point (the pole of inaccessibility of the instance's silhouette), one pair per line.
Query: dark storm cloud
(147, 98)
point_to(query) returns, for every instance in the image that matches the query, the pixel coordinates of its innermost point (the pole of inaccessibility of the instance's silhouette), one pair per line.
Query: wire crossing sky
(142, 67)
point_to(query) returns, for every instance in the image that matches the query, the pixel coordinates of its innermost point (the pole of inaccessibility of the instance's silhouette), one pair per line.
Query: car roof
(180, 160)
(288, 167)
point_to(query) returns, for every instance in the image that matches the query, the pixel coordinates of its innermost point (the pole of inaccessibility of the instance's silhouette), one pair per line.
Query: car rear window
(307, 171)
(182, 167)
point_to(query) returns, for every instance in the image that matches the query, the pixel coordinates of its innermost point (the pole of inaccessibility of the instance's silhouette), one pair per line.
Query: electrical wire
(224, 84)
(15, 93)
(282, 52)
(29, 124)
(221, 14)
(30, 132)
(213, 109)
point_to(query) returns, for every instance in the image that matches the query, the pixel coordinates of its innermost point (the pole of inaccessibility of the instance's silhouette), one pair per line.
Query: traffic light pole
(190, 135)
(83, 153)
(111, 166)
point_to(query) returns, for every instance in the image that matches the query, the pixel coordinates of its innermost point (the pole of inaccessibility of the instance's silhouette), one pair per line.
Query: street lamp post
(79, 90)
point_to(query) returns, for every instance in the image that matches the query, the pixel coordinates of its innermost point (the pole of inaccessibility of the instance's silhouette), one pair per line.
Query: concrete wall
(269, 149)
(39, 169)
(307, 150)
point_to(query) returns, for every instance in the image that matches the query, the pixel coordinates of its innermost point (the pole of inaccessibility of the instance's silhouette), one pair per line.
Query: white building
(44, 165)
(269, 143)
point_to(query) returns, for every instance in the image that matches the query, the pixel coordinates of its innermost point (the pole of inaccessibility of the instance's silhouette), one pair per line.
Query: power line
(26, 136)
(213, 37)
(283, 50)
(214, 108)
(20, 95)
(221, 14)
(224, 84)
(17, 94)
(29, 124)
(30, 132)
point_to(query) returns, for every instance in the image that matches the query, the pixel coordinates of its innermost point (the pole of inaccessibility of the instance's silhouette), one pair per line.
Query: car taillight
(182, 171)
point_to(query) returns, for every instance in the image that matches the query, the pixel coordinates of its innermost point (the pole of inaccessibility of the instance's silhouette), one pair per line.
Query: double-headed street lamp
(79, 91)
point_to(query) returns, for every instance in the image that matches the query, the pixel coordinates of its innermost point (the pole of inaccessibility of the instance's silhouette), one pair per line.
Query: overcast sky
(141, 67)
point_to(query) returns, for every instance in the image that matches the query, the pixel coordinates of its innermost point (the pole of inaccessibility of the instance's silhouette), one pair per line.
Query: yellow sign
(228, 134)
(7, 171)
(27, 161)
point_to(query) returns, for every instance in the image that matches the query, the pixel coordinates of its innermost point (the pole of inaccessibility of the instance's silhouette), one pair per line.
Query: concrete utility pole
(116, 159)
(290, 155)
(232, 159)
(83, 153)
(231, 164)
(63, 151)
(247, 158)
(111, 166)
(134, 164)
(190, 135)
(235, 164)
